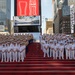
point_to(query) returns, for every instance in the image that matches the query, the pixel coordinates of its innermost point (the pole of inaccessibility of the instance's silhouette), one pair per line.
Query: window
(63, 21)
(29, 28)
(1, 23)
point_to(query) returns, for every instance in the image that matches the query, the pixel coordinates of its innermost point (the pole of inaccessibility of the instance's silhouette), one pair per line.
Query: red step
(37, 73)
(36, 64)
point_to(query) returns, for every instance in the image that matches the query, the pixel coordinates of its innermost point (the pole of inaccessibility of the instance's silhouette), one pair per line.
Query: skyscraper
(57, 5)
(5, 15)
(62, 16)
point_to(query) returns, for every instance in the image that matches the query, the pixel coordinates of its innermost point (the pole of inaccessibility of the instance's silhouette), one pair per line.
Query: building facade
(2, 14)
(5, 15)
(66, 16)
(72, 18)
(71, 2)
(57, 6)
(49, 26)
(65, 20)
(68, 11)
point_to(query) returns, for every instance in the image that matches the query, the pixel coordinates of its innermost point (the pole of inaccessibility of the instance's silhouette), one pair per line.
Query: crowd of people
(13, 47)
(58, 46)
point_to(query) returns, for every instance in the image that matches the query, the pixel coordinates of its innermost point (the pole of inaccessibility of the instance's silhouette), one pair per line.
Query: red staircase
(36, 64)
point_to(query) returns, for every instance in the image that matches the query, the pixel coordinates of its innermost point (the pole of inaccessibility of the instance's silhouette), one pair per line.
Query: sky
(46, 11)
(46, 6)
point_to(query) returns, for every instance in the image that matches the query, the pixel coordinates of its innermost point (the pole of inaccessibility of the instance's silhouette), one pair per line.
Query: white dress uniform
(46, 49)
(51, 49)
(11, 48)
(3, 53)
(15, 52)
(55, 52)
(22, 48)
(61, 51)
(58, 48)
(8, 52)
(24, 51)
(67, 51)
(18, 53)
(71, 53)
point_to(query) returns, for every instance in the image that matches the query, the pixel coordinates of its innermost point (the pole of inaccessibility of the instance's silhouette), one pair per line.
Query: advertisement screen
(26, 20)
(27, 7)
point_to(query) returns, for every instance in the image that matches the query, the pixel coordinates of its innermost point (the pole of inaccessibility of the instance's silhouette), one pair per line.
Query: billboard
(27, 7)
(26, 20)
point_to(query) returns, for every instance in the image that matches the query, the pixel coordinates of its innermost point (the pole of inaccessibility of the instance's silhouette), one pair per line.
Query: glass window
(32, 28)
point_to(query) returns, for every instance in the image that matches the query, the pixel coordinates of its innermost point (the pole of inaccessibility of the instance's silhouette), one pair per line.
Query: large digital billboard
(27, 7)
(26, 20)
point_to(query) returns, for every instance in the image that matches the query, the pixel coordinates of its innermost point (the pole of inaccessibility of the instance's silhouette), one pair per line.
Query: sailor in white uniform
(22, 48)
(42, 44)
(11, 50)
(15, 52)
(18, 51)
(61, 51)
(55, 51)
(51, 48)
(67, 50)
(46, 49)
(71, 53)
(8, 51)
(3, 52)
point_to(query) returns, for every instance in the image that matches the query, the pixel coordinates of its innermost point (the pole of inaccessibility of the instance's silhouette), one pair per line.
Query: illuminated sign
(26, 20)
(27, 7)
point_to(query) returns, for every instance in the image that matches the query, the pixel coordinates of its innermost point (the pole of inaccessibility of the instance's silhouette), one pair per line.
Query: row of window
(71, 0)
(66, 21)
(66, 24)
(66, 27)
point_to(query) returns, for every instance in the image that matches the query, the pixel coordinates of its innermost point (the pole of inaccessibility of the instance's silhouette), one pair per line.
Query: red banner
(27, 7)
